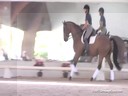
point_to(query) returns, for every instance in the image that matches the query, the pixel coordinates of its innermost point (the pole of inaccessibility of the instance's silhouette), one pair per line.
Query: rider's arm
(101, 26)
(85, 25)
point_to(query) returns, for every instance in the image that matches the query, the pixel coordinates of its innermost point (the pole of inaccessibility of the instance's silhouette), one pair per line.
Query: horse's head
(66, 31)
(74, 29)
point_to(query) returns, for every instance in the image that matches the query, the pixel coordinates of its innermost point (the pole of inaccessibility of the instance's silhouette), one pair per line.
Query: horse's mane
(75, 25)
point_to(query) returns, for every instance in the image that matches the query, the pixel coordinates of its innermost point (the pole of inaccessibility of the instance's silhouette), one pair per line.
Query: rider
(102, 26)
(87, 26)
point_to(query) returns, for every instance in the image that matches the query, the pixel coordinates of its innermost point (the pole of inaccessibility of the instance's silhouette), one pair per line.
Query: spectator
(25, 57)
(5, 55)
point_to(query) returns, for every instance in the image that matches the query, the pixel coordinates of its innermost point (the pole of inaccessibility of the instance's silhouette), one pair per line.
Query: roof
(26, 15)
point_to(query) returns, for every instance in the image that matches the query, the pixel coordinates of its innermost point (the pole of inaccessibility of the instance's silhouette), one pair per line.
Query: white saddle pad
(91, 41)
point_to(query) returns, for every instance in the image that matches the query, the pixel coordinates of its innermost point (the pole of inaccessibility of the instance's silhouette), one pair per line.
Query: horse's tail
(115, 54)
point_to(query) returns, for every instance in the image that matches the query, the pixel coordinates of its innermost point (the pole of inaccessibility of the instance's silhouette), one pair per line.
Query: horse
(120, 44)
(103, 46)
(121, 53)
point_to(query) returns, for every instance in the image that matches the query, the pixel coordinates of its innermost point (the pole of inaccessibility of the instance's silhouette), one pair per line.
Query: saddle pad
(91, 40)
(82, 37)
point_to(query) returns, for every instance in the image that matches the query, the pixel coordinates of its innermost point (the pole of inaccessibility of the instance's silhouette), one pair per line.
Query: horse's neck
(76, 34)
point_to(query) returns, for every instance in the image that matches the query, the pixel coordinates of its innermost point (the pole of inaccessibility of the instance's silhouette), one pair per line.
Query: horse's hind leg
(111, 67)
(98, 68)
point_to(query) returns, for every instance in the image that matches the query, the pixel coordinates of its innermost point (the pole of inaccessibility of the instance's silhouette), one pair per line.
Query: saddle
(91, 38)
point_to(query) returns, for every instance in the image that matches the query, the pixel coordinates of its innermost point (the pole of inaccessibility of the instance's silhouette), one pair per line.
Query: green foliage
(41, 54)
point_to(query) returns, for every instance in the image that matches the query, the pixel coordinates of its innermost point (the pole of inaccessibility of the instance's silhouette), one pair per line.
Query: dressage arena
(48, 32)
(52, 83)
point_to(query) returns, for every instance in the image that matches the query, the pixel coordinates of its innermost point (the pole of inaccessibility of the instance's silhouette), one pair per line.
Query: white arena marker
(7, 73)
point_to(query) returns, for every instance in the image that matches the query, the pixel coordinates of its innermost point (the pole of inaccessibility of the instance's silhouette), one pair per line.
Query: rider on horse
(102, 26)
(87, 27)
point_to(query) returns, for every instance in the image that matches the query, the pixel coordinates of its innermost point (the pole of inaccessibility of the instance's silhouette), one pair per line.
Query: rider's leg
(86, 37)
(86, 44)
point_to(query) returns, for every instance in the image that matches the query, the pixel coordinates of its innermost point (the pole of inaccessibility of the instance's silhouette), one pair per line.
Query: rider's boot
(86, 46)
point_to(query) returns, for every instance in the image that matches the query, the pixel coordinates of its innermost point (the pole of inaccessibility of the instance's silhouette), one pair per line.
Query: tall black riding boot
(86, 46)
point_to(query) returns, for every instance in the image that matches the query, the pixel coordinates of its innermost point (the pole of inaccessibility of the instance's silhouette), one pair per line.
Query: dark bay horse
(103, 46)
(121, 52)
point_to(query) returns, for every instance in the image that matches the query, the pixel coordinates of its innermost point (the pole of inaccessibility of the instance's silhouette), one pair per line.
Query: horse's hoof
(70, 78)
(91, 79)
(76, 73)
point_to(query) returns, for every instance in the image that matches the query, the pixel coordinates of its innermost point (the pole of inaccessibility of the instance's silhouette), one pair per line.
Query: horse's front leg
(73, 65)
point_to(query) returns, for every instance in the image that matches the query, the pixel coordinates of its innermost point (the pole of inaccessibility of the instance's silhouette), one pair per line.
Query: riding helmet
(101, 10)
(86, 7)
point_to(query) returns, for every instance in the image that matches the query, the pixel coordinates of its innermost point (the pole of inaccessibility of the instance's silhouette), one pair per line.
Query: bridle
(67, 34)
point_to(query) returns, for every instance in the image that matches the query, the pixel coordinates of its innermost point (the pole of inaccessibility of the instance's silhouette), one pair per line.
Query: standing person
(102, 26)
(87, 26)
